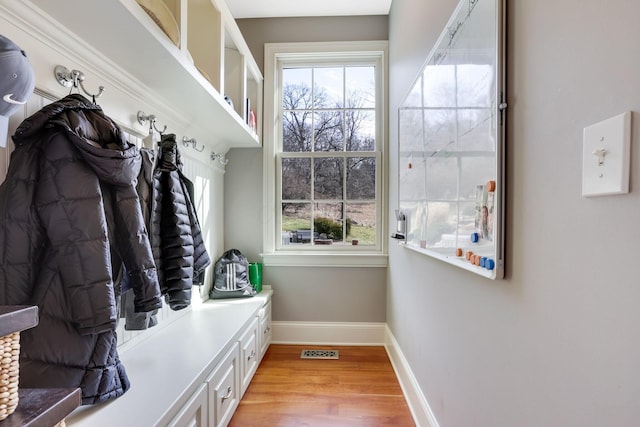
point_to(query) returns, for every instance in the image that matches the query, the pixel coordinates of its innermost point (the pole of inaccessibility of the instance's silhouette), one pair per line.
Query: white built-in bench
(193, 371)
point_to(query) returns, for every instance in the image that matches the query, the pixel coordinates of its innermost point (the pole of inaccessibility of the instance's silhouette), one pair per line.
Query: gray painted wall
(300, 294)
(258, 31)
(557, 343)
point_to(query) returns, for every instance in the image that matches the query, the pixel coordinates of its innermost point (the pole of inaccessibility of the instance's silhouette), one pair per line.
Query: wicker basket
(9, 367)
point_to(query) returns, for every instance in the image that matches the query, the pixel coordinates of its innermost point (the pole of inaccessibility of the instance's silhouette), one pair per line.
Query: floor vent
(319, 354)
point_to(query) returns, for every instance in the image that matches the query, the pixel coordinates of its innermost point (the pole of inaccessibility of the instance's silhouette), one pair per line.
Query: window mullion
(345, 161)
(344, 158)
(312, 196)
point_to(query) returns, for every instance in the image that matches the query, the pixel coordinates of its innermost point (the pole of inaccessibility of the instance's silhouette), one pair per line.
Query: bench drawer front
(265, 329)
(223, 390)
(249, 348)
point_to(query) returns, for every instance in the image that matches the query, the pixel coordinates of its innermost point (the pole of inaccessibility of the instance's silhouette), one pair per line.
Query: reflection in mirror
(451, 138)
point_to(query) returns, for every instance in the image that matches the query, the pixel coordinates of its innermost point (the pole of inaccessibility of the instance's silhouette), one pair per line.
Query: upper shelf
(122, 32)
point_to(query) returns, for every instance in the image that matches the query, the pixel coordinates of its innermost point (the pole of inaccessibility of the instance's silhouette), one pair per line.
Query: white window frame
(277, 55)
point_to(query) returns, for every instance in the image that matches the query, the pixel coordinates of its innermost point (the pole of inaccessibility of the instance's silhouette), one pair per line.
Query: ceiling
(283, 8)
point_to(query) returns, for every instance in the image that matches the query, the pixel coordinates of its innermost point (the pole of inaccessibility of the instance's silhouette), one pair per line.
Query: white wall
(556, 343)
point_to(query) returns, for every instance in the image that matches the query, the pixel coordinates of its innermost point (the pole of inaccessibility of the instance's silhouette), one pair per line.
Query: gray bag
(231, 276)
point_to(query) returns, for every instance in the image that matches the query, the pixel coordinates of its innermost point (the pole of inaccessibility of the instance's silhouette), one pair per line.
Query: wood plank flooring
(359, 389)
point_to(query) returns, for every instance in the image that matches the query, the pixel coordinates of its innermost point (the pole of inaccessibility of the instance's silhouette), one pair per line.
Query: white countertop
(166, 367)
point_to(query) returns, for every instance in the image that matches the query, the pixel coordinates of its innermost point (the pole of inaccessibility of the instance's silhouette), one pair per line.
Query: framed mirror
(451, 145)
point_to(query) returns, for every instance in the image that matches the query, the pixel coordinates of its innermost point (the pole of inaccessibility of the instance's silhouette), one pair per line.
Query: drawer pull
(252, 355)
(228, 395)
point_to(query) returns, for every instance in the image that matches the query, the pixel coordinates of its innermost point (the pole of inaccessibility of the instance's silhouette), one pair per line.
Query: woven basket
(9, 366)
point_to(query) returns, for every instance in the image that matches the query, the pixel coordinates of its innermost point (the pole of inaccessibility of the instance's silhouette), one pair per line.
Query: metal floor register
(319, 354)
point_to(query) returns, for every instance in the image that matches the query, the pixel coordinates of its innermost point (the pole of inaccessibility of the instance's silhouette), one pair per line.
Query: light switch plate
(606, 156)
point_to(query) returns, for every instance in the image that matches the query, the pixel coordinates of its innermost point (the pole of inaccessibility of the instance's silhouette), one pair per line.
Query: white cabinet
(215, 401)
(194, 412)
(227, 383)
(265, 328)
(249, 355)
(223, 389)
(191, 372)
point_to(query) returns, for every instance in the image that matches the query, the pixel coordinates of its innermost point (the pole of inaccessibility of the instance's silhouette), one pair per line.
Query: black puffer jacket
(69, 220)
(140, 321)
(176, 237)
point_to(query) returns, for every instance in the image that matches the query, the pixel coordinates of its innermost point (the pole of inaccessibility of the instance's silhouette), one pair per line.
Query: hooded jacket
(69, 221)
(176, 237)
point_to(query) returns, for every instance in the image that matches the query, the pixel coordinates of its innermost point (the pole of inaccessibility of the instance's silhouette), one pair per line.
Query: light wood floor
(359, 389)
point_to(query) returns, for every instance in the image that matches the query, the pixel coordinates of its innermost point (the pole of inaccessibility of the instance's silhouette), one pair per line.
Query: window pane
(327, 222)
(296, 223)
(327, 150)
(327, 181)
(296, 88)
(360, 130)
(361, 178)
(328, 89)
(296, 131)
(327, 128)
(361, 223)
(296, 179)
(360, 87)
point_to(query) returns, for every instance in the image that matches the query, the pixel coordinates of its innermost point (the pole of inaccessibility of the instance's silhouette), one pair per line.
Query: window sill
(324, 259)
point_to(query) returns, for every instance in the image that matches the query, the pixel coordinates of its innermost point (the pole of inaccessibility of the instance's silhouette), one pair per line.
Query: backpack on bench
(231, 277)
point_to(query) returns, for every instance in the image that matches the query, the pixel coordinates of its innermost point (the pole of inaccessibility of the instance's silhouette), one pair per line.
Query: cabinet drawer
(194, 412)
(249, 348)
(265, 329)
(223, 389)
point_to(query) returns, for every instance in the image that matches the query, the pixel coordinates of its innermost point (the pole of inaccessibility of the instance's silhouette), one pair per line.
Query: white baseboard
(418, 405)
(328, 333)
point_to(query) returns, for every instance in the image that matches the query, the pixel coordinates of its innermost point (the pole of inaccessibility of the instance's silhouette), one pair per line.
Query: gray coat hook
(74, 79)
(186, 141)
(219, 157)
(143, 118)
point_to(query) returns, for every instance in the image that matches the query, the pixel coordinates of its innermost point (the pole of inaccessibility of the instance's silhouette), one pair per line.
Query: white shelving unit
(211, 61)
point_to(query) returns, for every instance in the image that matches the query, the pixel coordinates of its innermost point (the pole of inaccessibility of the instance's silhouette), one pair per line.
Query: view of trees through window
(328, 156)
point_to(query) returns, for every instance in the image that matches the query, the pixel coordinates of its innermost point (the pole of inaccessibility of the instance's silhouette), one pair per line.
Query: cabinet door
(249, 348)
(223, 389)
(265, 329)
(194, 412)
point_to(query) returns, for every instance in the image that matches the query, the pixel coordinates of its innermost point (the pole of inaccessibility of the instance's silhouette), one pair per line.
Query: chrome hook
(220, 158)
(74, 79)
(142, 119)
(186, 141)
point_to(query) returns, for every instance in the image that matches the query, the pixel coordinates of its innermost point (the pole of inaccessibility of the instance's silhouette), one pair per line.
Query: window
(324, 141)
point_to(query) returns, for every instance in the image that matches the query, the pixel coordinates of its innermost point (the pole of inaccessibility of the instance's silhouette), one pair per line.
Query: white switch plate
(605, 156)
